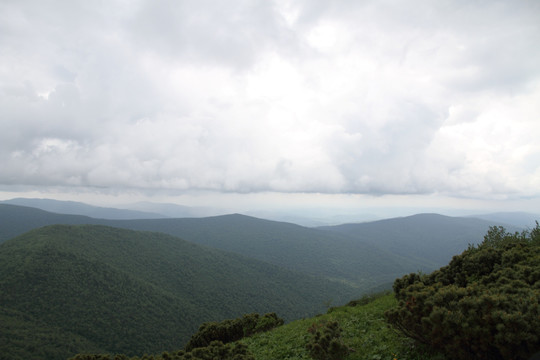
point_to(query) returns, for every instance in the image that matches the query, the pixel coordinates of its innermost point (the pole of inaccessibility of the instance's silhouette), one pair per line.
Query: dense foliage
(231, 330)
(216, 350)
(86, 288)
(354, 265)
(211, 342)
(483, 305)
(326, 342)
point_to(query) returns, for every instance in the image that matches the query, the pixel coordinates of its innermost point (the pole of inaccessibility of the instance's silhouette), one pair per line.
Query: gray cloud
(318, 97)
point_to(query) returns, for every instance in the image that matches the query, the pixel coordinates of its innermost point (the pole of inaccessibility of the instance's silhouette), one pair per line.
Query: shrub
(232, 329)
(482, 305)
(216, 350)
(326, 343)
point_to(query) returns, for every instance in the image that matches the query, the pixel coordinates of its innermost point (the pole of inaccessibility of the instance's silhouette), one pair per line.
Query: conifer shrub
(326, 342)
(232, 329)
(482, 305)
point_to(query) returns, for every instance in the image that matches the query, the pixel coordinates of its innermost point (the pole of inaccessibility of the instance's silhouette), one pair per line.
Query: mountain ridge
(131, 291)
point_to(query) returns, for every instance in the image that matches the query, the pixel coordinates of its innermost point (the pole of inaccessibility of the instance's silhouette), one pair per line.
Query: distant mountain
(175, 210)
(520, 219)
(78, 208)
(423, 237)
(16, 220)
(362, 255)
(66, 289)
(310, 251)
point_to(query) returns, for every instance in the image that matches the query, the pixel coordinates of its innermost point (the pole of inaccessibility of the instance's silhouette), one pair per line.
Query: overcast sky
(316, 103)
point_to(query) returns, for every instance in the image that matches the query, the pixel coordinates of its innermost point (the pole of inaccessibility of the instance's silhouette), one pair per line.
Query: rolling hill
(423, 238)
(89, 288)
(364, 255)
(311, 251)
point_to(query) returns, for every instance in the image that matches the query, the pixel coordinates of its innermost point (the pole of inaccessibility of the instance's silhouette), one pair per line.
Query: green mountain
(16, 220)
(314, 252)
(311, 251)
(66, 289)
(365, 255)
(425, 238)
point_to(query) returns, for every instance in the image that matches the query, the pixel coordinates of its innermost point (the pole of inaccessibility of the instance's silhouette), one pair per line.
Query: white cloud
(316, 97)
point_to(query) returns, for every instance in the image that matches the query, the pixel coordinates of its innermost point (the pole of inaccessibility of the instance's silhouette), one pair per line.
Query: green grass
(364, 329)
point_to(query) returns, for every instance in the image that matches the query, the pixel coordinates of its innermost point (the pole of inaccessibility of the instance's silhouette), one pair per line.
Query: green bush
(483, 305)
(216, 350)
(232, 329)
(326, 343)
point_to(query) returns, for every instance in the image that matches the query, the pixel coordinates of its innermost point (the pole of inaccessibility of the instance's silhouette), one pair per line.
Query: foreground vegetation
(363, 330)
(97, 290)
(483, 305)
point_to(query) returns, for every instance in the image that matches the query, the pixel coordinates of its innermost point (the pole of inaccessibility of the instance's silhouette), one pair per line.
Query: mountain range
(72, 283)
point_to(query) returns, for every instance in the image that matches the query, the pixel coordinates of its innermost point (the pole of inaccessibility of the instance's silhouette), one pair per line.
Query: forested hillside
(68, 289)
(482, 305)
(365, 255)
(425, 238)
(311, 251)
(314, 252)
(16, 220)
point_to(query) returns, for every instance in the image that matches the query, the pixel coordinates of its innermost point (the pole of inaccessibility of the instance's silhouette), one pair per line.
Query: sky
(359, 106)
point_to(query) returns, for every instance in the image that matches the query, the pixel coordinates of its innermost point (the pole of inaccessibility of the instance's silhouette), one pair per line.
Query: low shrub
(232, 329)
(326, 342)
(483, 305)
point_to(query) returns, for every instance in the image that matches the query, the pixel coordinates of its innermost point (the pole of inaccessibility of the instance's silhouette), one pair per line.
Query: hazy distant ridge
(78, 208)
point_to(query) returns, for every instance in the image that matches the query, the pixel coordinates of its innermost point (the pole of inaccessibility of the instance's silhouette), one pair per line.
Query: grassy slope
(364, 330)
(135, 292)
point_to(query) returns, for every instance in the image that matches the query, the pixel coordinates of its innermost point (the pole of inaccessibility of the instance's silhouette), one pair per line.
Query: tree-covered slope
(362, 255)
(16, 220)
(135, 292)
(311, 251)
(319, 253)
(425, 238)
(364, 331)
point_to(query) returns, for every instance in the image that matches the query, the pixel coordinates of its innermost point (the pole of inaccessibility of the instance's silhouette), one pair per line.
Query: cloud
(315, 96)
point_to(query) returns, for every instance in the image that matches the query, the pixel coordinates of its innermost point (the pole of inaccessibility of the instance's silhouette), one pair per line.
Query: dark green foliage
(86, 288)
(216, 350)
(233, 329)
(483, 305)
(351, 263)
(326, 342)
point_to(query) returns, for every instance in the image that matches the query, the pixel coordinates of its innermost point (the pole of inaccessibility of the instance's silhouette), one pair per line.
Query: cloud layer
(251, 96)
